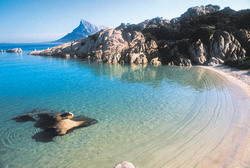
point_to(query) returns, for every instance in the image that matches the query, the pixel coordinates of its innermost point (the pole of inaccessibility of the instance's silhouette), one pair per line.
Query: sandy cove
(240, 132)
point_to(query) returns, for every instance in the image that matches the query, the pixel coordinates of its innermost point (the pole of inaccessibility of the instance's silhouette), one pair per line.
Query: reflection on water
(153, 75)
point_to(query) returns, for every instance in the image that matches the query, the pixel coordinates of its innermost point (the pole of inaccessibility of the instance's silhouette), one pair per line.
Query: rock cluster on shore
(203, 35)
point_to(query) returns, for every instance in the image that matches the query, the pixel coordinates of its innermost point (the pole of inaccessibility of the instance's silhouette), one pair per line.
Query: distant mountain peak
(84, 29)
(84, 22)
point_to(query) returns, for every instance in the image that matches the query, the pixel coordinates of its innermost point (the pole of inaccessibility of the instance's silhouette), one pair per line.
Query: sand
(240, 133)
(236, 76)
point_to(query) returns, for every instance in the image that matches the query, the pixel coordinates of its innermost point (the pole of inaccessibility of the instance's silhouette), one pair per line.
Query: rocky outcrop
(198, 52)
(203, 35)
(181, 61)
(14, 50)
(155, 61)
(219, 47)
(84, 29)
(224, 46)
(110, 45)
(199, 11)
(215, 61)
(243, 36)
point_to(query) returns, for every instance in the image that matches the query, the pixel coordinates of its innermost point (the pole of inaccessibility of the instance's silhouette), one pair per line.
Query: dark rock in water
(14, 50)
(54, 123)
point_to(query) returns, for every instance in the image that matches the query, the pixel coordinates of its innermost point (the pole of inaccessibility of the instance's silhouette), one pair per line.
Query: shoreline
(240, 132)
(236, 76)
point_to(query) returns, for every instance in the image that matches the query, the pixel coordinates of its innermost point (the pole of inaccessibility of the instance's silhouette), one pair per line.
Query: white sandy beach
(241, 133)
(237, 76)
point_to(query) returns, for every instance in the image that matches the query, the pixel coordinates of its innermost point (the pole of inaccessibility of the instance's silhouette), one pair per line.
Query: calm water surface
(152, 116)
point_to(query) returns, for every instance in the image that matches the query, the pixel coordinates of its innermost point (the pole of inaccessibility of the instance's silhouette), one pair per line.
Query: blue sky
(46, 20)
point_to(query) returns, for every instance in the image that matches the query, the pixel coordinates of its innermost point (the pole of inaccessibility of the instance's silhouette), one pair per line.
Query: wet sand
(234, 75)
(235, 150)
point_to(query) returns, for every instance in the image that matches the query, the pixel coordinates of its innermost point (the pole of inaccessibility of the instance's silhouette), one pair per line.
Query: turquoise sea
(155, 117)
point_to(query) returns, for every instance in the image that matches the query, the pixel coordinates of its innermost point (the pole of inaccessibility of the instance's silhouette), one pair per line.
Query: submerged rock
(54, 123)
(14, 50)
(62, 126)
(124, 164)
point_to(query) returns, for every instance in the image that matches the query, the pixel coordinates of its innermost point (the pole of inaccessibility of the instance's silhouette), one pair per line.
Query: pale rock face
(125, 164)
(215, 61)
(198, 52)
(110, 45)
(224, 46)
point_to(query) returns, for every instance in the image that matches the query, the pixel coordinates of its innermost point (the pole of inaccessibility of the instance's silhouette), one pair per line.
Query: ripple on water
(151, 116)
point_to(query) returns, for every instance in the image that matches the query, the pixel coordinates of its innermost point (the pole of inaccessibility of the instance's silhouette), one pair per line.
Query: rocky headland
(203, 35)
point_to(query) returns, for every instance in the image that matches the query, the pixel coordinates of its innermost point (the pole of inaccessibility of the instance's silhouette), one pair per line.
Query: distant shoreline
(31, 43)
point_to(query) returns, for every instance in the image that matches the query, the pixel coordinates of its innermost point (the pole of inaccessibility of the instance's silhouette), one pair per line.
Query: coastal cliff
(203, 35)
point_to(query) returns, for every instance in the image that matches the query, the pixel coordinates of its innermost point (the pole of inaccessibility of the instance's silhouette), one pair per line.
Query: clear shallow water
(152, 116)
